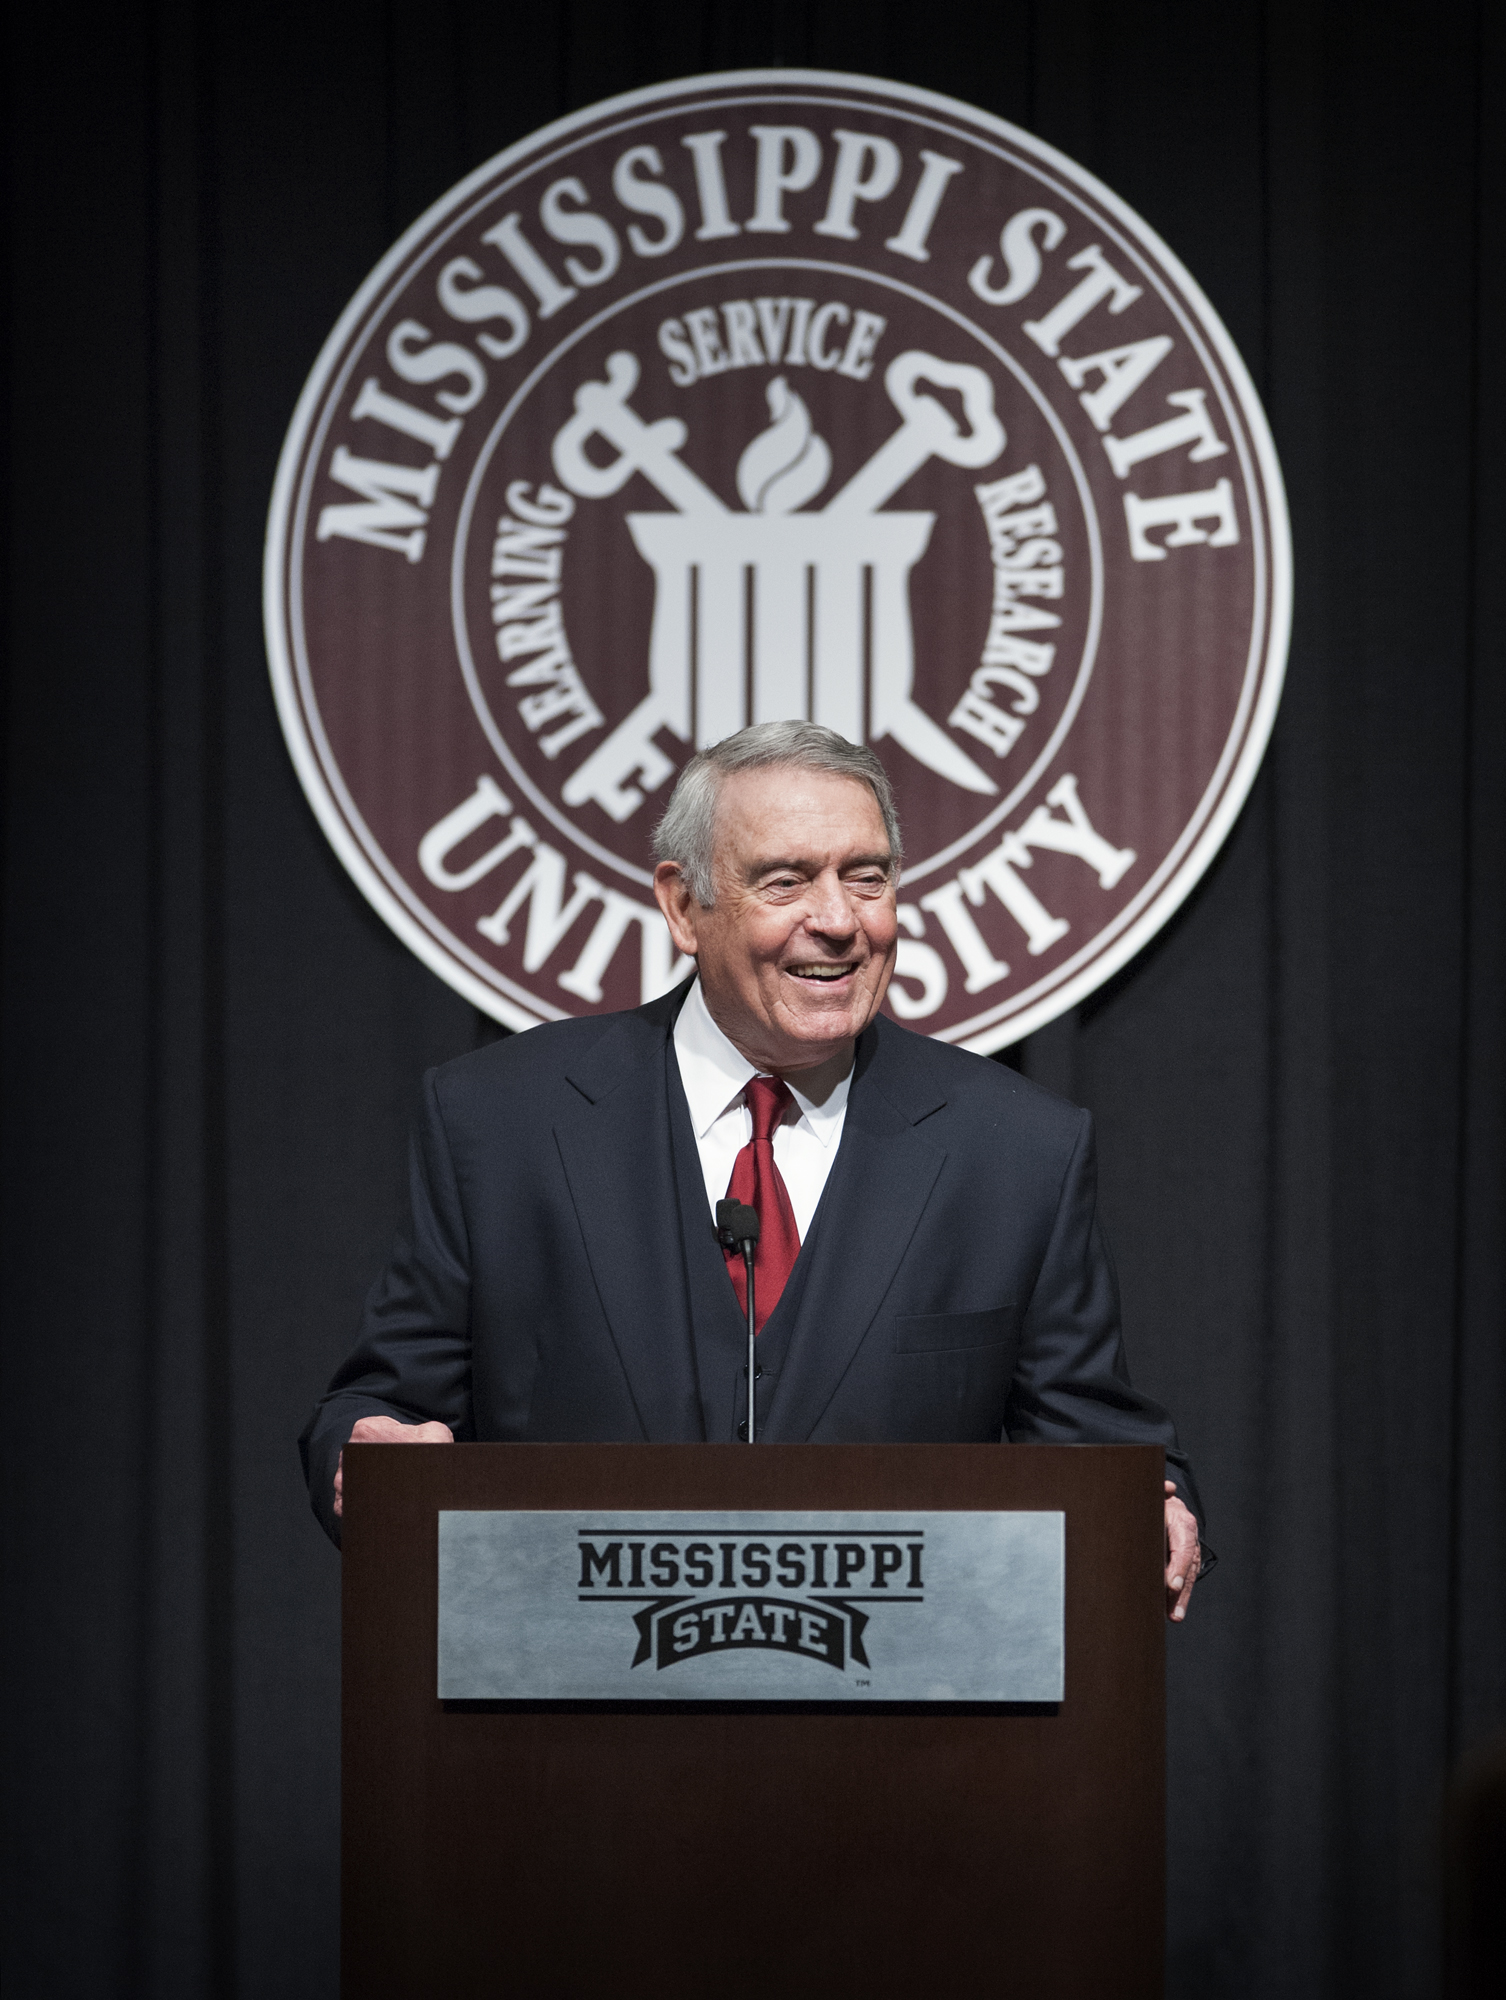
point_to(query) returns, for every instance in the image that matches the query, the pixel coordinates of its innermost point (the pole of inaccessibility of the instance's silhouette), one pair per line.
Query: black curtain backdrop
(211, 1045)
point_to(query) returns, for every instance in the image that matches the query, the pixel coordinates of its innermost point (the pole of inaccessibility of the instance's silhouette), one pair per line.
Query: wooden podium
(687, 1850)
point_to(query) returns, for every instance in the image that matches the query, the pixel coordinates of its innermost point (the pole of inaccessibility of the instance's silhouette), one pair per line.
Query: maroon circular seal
(765, 395)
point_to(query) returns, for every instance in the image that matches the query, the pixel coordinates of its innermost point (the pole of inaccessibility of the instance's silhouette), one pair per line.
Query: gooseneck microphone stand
(737, 1226)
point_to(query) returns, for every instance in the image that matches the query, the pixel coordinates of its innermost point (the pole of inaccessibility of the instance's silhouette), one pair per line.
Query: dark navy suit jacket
(560, 1278)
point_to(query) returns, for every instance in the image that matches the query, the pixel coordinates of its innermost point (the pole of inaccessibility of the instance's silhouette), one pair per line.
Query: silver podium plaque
(707, 1606)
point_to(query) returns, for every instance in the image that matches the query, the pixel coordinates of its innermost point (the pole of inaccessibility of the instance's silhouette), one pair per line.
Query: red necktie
(757, 1181)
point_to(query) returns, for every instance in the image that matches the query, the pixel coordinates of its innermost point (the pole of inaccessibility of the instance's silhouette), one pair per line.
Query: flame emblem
(787, 464)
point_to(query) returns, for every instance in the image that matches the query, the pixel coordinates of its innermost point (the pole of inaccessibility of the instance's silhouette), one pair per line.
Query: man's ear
(672, 893)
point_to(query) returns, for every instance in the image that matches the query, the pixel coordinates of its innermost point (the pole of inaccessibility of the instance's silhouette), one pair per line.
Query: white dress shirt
(715, 1076)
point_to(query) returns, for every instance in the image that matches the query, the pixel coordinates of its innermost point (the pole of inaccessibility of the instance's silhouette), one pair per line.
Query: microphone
(737, 1226)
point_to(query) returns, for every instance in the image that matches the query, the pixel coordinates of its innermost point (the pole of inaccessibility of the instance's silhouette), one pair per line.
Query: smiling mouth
(820, 975)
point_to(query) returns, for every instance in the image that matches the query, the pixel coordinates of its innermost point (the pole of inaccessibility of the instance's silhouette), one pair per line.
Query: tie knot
(767, 1100)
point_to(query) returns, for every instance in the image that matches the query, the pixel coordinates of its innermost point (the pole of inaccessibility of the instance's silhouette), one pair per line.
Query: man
(929, 1267)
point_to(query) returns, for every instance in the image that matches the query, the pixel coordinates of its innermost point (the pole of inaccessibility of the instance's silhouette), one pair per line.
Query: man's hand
(1184, 1558)
(387, 1430)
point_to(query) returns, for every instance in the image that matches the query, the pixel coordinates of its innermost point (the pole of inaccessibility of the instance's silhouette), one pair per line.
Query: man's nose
(830, 909)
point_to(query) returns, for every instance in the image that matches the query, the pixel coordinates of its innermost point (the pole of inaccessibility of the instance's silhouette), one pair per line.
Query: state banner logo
(769, 395)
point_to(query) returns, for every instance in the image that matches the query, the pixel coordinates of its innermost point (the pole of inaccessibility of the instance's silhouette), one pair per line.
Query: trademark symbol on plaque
(767, 395)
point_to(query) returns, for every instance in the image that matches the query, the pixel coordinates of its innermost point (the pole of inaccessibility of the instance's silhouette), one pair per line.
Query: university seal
(764, 395)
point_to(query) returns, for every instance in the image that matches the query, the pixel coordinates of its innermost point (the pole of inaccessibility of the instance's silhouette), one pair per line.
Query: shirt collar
(712, 1071)
(715, 1074)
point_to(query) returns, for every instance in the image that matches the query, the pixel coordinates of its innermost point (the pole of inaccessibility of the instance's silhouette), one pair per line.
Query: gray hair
(687, 833)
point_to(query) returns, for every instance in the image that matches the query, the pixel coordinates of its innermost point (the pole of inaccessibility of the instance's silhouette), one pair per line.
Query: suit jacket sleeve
(1071, 1383)
(413, 1359)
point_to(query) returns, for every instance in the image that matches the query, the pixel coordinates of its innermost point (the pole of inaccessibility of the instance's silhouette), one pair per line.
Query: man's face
(795, 954)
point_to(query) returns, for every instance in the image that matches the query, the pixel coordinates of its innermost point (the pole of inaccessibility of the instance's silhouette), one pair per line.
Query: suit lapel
(880, 1182)
(614, 1145)
(715, 1317)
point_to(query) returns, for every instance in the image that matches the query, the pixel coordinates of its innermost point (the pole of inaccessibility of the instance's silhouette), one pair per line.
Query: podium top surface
(383, 1478)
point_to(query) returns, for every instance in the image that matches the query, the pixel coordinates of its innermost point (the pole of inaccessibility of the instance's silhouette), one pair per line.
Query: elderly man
(929, 1267)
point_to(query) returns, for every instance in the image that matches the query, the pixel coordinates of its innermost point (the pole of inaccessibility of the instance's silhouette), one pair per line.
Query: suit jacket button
(742, 1430)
